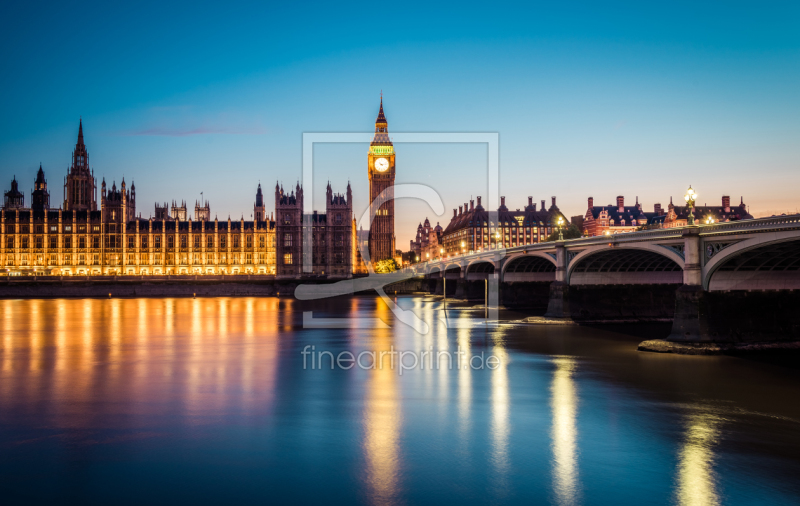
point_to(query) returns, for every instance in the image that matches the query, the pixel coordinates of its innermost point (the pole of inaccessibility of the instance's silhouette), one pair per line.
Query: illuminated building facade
(471, 228)
(81, 240)
(617, 219)
(428, 242)
(678, 216)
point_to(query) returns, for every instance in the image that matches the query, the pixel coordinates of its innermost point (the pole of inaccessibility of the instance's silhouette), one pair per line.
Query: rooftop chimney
(479, 200)
(553, 199)
(471, 205)
(459, 210)
(530, 201)
(658, 210)
(726, 203)
(621, 203)
(502, 201)
(543, 208)
(534, 207)
(455, 213)
(591, 202)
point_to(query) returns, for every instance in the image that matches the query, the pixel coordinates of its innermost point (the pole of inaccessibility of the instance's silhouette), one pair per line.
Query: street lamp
(690, 198)
(709, 220)
(560, 225)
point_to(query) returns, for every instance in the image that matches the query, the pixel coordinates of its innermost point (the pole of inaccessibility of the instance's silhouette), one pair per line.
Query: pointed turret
(40, 197)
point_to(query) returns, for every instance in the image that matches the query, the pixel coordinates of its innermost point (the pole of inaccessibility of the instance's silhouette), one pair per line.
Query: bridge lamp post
(710, 220)
(560, 225)
(690, 198)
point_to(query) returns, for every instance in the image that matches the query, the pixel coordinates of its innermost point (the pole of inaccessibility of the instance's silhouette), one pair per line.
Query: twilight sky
(623, 98)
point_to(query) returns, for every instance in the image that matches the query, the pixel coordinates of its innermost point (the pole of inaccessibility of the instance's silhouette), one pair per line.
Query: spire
(381, 129)
(381, 116)
(80, 132)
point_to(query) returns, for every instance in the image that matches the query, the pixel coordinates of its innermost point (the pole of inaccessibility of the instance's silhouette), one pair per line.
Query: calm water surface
(164, 401)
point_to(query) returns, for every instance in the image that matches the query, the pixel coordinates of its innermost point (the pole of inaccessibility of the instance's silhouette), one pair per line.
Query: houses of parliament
(78, 238)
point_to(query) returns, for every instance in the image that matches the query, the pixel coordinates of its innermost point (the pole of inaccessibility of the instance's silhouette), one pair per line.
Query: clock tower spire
(381, 171)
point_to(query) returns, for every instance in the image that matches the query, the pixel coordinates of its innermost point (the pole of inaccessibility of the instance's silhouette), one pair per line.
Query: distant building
(615, 219)
(619, 218)
(471, 229)
(428, 242)
(678, 216)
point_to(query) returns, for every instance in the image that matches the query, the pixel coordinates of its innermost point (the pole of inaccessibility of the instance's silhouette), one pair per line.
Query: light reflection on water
(176, 391)
(382, 422)
(696, 479)
(564, 404)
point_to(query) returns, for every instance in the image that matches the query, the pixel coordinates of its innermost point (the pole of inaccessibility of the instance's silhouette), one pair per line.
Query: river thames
(165, 401)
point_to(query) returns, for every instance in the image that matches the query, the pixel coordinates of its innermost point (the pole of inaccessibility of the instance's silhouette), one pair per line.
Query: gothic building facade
(78, 239)
(330, 252)
(428, 242)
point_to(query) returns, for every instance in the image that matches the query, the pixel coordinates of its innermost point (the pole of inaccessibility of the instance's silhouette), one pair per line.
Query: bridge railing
(765, 224)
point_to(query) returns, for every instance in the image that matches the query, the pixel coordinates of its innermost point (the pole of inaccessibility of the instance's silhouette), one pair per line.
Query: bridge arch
(480, 269)
(434, 270)
(757, 263)
(452, 270)
(622, 264)
(530, 267)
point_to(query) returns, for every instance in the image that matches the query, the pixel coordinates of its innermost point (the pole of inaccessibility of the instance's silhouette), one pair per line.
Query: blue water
(207, 401)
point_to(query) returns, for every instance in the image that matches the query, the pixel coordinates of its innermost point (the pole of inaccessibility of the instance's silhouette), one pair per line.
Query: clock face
(381, 164)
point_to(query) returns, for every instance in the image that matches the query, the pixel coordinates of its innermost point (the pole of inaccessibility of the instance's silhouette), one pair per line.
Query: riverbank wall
(151, 286)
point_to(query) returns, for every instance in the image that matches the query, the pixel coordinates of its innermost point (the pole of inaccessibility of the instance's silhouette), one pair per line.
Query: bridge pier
(439, 289)
(690, 323)
(558, 305)
(461, 286)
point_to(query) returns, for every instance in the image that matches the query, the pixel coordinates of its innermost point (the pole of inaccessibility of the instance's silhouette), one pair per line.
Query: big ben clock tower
(381, 177)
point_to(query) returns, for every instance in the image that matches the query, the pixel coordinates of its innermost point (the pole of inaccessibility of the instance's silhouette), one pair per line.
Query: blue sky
(627, 98)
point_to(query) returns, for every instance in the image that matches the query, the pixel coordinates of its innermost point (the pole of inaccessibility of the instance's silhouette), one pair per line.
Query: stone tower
(289, 232)
(259, 211)
(381, 172)
(80, 187)
(40, 197)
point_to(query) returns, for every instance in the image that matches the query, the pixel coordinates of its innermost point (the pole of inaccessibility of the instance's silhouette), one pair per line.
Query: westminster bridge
(721, 282)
